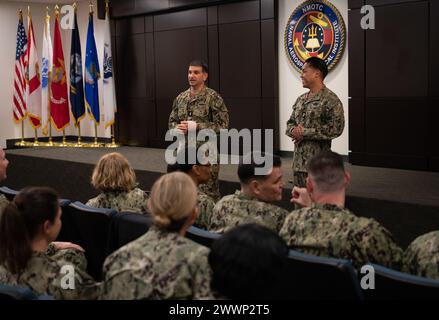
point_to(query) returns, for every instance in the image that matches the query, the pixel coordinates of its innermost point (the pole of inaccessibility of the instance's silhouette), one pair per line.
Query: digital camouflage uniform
(158, 265)
(422, 256)
(205, 210)
(238, 208)
(3, 202)
(208, 110)
(330, 231)
(43, 275)
(322, 117)
(135, 201)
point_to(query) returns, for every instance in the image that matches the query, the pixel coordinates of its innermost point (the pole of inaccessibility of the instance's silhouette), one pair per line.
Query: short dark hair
(327, 171)
(182, 162)
(248, 263)
(318, 64)
(247, 166)
(200, 63)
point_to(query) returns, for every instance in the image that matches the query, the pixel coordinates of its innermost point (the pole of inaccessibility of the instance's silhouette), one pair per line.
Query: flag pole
(49, 78)
(64, 142)
(22, 143)
(36, 142)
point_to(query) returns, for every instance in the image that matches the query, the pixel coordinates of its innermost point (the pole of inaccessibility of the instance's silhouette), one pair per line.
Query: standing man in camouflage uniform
(254, 202)
(3, 166)
(422, 256)
(206, 108)
(326, 228)
(317, 118)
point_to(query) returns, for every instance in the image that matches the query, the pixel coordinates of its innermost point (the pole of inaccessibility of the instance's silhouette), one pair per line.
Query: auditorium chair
(8, 292)
(126, 227)
(200, 236)
(311, 277)
(90, 228)
(391, 284)
(8, 192)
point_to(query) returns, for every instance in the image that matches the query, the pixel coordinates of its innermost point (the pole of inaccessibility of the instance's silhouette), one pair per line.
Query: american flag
(20, 73)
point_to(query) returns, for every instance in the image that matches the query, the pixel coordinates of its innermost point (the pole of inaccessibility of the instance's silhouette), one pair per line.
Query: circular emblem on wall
(315, 29)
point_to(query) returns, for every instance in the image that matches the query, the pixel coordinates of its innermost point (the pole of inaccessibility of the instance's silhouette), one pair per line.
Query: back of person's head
(186, 159)
(113, 172)
(200, 63)
(173, 200)
(250, 163)
(318, 64)
(22, 221)
(327, 171)
(248, 263)
(3, 164)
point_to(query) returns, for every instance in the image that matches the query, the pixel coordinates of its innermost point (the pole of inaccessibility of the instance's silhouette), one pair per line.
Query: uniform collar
(199, 95)
(327, 206)
(317, 96)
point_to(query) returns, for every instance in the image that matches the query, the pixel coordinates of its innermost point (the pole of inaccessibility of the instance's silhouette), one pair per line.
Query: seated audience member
(253, 203)
(200, 173)
(422, 256)
(3, 166)
(248, 263)
(114, 177)
(28, 255)
(162, 264)
(326, 228)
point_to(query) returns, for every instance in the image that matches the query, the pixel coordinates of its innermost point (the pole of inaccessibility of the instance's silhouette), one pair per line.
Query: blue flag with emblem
(92, 73)
(76, 80)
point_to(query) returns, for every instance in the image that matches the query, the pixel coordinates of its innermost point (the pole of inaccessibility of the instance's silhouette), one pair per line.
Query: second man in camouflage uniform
(317, 118)
(422, 256)
(254, 202)
(203, 108)
(324, 227)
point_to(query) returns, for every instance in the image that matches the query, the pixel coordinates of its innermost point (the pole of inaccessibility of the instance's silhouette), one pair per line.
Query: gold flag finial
(56, 11)
(28, 11)
(91, 7)
(107, 8)
(47, 14)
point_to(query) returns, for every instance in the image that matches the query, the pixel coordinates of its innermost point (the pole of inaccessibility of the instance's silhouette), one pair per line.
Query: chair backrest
(8, 192)
(90, 228)
(126, 227)
(312, 277)
(200, 236)
(8, 292)
(391, 284)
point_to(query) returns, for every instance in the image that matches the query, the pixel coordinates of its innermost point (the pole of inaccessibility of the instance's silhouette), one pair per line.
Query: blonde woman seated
(28, 257)
(114, 177)
(162, 264)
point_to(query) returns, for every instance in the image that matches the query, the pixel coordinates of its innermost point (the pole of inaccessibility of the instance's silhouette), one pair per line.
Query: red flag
(59, 103)
(34, 85)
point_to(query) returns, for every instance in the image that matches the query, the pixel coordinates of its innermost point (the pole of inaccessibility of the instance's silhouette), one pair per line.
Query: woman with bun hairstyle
(162, 264)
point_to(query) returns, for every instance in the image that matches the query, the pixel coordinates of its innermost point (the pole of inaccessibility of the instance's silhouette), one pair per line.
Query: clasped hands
(297, 133)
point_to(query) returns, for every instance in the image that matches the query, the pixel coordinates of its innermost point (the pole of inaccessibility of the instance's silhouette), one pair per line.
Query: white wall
(290, 86)
(8, 31)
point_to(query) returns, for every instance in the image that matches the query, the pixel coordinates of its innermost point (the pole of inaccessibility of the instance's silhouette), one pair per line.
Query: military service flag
(92, 74)
(34, 81)
(76, 82)
(46, 67)
(109, 93)
(59, 104)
